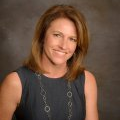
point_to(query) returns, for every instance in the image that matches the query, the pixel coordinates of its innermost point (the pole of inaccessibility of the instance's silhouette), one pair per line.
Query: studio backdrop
(17, 23)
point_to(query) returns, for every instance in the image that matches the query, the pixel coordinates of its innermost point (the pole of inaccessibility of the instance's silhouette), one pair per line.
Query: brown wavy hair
(75, 63)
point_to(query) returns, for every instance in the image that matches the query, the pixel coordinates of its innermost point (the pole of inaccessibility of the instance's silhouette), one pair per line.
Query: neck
(55, 72)
(52, 70)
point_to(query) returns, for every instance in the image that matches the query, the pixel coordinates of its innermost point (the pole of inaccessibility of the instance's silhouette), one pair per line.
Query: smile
(60, 52)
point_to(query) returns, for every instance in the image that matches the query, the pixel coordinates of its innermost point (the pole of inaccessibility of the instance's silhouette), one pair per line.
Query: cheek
(47, 42)
(73, 48)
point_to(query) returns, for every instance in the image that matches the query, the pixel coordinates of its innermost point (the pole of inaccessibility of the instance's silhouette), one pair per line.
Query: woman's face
(60, 42)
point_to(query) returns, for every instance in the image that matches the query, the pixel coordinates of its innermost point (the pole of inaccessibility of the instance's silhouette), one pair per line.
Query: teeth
(61, 53)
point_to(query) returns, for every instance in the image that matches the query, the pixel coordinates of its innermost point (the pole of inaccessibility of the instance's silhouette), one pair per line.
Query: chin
(59, 63)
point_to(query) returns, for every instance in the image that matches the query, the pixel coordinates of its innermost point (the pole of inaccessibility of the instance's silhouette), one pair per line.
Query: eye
(57, 35)
(73, 39)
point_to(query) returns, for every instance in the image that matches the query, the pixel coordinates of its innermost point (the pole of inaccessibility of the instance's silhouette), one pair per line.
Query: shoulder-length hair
(75, 63)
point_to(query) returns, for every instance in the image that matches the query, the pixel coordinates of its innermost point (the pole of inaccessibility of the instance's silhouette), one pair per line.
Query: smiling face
(60, 42)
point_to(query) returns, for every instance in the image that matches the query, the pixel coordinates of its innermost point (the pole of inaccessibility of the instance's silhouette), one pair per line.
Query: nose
(64, 43)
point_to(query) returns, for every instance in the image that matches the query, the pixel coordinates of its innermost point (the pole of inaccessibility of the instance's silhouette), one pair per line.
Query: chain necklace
(47, 108)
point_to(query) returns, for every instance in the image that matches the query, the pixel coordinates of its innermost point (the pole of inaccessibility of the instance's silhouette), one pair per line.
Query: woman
(52, 84)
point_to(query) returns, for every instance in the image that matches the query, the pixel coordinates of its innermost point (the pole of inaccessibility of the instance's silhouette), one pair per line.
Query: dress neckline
(51, 78)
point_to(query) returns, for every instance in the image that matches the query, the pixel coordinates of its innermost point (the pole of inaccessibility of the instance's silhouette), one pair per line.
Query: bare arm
(10, 94)
(91, 97)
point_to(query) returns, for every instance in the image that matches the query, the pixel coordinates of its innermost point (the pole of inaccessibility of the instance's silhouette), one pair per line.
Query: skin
(59, 45)
(91, 97)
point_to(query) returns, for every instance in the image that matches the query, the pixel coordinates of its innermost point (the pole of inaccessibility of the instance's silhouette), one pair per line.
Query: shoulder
(89, 76)
(11, 85)
(90, 83)
(12, 79)
(10, 95)
(91, 96)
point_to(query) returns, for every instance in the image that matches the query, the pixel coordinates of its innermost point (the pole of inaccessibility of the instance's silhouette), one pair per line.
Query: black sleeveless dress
(31, 106)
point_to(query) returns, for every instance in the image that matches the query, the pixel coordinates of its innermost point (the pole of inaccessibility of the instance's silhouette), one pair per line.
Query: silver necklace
(47, 108)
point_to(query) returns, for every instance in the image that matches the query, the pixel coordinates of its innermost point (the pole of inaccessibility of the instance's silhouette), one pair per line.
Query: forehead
(63, 25)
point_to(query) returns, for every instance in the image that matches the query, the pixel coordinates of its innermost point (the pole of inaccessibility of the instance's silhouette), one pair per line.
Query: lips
(60, 52)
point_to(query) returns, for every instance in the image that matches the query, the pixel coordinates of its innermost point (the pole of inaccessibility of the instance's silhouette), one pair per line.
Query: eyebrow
(58, 32)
